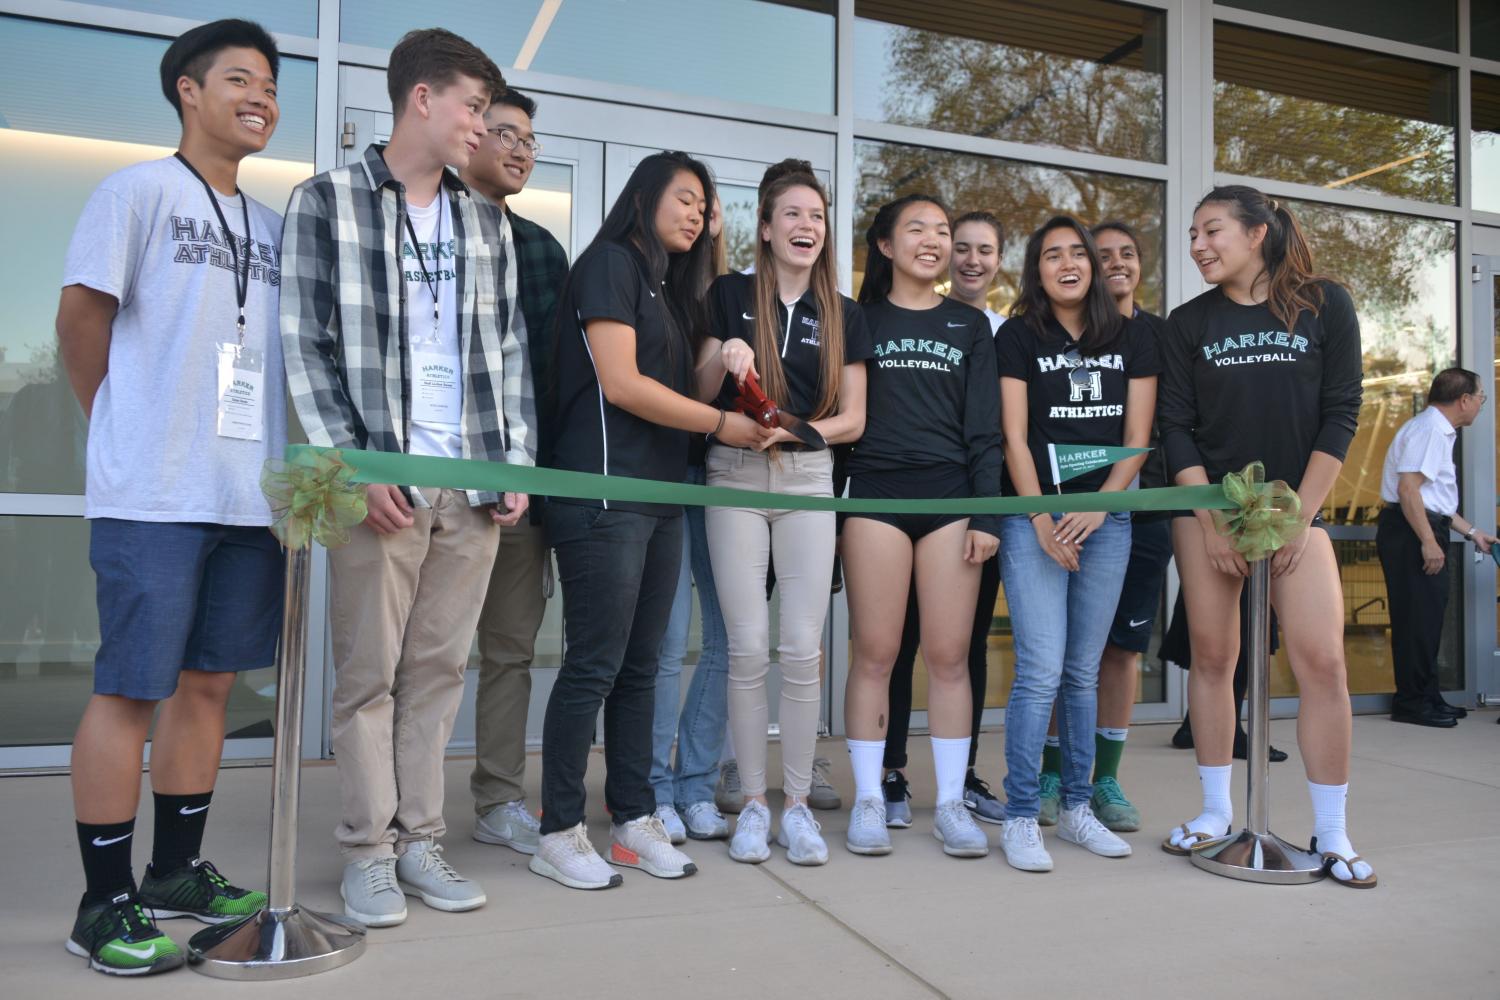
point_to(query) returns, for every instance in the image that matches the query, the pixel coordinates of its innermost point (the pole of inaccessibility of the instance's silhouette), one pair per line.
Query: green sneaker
(197, 890)
(1112, 808)
(118, 938)
(1051, 783)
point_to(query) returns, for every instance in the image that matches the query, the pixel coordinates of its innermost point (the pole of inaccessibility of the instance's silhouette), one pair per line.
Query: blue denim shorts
(176, 597)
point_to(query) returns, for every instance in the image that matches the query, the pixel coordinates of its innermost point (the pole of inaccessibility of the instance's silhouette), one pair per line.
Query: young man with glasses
(403, 334)
(167, 329)
(516, 598)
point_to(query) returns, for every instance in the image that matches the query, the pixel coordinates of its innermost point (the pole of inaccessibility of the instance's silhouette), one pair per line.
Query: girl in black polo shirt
(625, 322)
(1264, 366)
(931, 431)
(1073, 371)
(788, 326)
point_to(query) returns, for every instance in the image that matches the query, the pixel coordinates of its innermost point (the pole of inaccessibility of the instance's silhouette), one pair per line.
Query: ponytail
(1293, 280)
(879, 272)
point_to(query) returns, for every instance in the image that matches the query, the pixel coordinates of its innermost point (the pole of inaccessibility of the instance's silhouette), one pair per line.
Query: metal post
(283, 940)
(1255, 854)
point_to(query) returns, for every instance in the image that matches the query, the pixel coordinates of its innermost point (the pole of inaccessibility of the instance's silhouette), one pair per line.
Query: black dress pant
(1417, 603)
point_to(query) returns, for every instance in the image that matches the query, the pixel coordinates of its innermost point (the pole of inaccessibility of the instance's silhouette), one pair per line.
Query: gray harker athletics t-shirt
(149, 237)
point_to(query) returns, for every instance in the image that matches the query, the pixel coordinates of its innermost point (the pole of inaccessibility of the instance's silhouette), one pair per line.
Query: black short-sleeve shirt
(731, 301)
(1061, 409)
(611, 281)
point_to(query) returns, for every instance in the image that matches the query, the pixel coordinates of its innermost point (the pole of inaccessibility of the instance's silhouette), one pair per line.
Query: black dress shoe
(1442, 707)
(1425, 717)
(1242, 749)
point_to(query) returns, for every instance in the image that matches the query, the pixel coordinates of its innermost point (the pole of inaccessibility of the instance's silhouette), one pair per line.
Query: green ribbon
(313, 498)
(1264, 516)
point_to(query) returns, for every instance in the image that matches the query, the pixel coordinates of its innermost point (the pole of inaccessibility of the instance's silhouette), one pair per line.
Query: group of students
(412, 311)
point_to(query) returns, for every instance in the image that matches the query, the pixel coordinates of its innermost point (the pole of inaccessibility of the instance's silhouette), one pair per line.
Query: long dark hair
(1101, 317)
(879, 272)
(1287, 259)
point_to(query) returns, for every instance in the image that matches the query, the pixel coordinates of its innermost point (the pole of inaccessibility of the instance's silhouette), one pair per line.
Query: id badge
(438, 398)
(242, 375)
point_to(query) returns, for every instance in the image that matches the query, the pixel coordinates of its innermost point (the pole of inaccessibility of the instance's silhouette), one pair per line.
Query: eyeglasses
(1077, 374)
(510, 140)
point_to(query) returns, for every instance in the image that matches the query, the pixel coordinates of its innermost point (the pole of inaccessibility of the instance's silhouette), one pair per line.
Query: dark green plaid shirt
(541, 269)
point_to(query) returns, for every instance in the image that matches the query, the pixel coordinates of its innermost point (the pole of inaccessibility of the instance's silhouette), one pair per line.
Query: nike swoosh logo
(747, 315)
(957, 324)
(650, 293)
(112, 840)
(1138, 624)
(145, 952)
(185, 811)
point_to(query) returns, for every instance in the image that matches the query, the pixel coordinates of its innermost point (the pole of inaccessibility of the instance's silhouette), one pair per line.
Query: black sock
(106, 858)
(179, 830)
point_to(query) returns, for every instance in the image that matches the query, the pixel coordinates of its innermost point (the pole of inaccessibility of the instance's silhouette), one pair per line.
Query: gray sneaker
(568, 858)
(981, 801)
(672, 823)
(752, 834)
(823, 795)
(727, 794)
(897, 800)
(371, 894)
(960, 835)
(867, 827)
(703, 821)
(799, 835)
(422, 871)
(510, 824)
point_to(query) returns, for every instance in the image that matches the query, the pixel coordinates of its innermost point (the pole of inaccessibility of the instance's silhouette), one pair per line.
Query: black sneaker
(119, 939)
(981, 801)
(897, 800)
(197, 890)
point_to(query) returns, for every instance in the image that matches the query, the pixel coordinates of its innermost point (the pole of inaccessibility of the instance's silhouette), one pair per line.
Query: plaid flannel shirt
(344, 322)
(541, 270)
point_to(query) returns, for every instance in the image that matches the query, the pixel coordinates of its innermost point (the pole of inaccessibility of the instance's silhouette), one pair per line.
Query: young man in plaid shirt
(402, 333)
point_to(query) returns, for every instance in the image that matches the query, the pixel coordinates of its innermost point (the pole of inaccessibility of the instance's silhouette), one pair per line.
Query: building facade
(1378, 122)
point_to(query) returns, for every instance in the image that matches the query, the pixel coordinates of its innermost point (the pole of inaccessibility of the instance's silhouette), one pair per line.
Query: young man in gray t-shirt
(167, 326)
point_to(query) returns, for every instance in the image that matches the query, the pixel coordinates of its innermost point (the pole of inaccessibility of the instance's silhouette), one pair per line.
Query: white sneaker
(752, 834)
(643, 843)
(370, 893)
(1021, 840)
(510, 824)
(422, 871)
(822, 794)
(799, 835)
(672, 823)
(567, 857)
(955, 828)
(867, 831)
(703, 821)
(1080, 826)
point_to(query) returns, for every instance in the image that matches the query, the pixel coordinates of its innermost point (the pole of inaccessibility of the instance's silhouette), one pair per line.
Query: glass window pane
(547, 200)
(1433, 23)
(1484, 143)
(680, 45)
(291, 17)
(1484, 33)
(1072, 74)
(740, 207)
(60, 135)
(1302, 110)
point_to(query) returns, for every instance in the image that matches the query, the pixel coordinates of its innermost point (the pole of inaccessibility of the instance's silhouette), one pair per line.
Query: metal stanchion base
(1259, 857)
(281, 944)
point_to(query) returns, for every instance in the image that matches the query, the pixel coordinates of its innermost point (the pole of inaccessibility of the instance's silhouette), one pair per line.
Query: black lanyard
(241, 276)
(430, 280)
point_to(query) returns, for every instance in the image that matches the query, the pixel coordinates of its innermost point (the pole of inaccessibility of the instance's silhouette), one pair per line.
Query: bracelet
(720, 425)
(1469, 535)
(1040, 513)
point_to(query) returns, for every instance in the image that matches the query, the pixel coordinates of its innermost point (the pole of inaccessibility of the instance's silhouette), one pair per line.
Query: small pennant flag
(1069, 460)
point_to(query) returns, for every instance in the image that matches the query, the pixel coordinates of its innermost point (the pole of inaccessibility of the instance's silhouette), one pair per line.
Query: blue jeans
(699, 728)
(1060, 621)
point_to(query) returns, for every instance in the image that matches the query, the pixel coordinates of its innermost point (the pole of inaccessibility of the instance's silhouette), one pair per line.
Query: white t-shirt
(1424, 444)
(436, 362)
(995, 321)
(149, 237)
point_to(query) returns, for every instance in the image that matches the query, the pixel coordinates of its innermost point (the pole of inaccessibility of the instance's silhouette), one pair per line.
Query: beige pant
(513, 609)
(404, 611)
(741, 542)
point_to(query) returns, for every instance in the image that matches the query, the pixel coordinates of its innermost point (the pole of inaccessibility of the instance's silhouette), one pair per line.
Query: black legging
(901, 674)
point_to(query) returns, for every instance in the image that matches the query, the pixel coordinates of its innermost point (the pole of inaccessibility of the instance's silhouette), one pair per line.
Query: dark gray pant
(1417, 604)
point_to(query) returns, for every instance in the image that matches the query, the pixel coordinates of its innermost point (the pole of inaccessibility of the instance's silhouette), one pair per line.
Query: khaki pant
(404, 611)
(513, 609)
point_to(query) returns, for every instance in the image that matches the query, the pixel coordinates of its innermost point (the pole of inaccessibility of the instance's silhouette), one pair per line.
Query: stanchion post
(283, 940)
(1255, 854)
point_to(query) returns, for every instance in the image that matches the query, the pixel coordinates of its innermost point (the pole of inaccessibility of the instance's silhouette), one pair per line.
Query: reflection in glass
(1433, 22)
(740, 237)
(1074, 74)
(290, 17)
(1021, 195)
(547, 200)
(1401, 272)
(60, 135)
(752, 51)
(1302, 110)
(1484, 35)
(1484, 143)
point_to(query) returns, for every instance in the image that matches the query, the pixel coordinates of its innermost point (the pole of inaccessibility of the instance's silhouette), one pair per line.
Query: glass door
(1480, 472)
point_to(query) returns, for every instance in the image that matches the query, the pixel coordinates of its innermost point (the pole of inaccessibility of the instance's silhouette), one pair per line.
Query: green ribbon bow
(1265, 515)
(313, 498)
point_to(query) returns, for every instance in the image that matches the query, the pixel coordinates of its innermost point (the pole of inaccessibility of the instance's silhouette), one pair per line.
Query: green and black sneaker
(118, 938)
(197, 890)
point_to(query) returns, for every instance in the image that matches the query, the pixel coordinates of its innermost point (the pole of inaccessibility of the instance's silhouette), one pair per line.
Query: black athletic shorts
(942, 482)
(1140, 597)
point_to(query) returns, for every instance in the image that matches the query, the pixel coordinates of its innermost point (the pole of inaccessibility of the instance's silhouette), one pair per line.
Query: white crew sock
(950, 761)
(727, 754)
(866, 758)
(1118, 735)
(1218, 809)
(1328, 803)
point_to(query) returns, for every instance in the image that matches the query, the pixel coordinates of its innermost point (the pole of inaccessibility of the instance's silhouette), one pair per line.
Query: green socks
(1052, 756)
(1109, 747)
